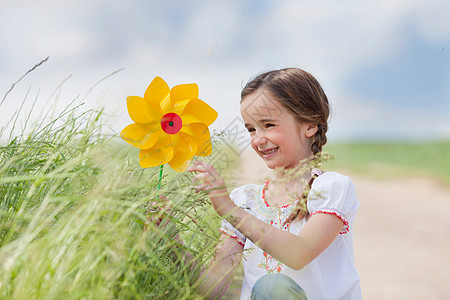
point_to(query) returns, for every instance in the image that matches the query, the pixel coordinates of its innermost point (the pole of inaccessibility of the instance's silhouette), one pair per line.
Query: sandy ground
(401, 234)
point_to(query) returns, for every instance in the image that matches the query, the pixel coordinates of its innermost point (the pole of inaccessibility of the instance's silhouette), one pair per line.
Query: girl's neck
(292, 177)
(286, 185)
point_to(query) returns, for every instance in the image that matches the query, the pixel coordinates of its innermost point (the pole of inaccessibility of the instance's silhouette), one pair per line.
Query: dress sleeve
(334, 193)
(241, 196)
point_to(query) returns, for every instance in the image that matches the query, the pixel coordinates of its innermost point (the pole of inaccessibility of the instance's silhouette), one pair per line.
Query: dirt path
(402, 234)
(402, 238)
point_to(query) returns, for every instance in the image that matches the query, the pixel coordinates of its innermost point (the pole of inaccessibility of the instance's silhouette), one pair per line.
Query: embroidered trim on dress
(232, 235)
(271, 214)
(346, 227)
(271, 264)
(314, 172)
(263, 196)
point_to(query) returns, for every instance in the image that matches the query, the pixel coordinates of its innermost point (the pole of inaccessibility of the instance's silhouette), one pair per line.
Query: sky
(384, 65)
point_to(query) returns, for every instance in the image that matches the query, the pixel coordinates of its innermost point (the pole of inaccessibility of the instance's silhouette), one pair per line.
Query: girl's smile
(266, 153)
(276, 135)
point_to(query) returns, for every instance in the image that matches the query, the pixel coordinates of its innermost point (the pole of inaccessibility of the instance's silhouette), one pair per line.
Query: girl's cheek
(252, 139)
(255, 148)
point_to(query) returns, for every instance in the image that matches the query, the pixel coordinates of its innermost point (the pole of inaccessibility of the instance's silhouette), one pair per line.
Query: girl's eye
(251, 130)
(269, 125)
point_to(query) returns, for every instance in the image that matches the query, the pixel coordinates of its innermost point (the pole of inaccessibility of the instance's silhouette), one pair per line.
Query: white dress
(332, 275)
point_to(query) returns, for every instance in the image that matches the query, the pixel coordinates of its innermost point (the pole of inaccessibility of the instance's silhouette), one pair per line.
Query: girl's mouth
(268, 152)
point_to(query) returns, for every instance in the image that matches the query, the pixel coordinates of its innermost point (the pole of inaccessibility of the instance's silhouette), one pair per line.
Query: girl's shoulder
(333, 183)
(333, 192)
(332, 179)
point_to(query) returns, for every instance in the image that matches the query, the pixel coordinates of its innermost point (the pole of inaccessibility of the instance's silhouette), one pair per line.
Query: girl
(291, 249)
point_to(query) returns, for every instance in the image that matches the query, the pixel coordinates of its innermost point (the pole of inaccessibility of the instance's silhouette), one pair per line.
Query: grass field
(73, 218)
(393, 159)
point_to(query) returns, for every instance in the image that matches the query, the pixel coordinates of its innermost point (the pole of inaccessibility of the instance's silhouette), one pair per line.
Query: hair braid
(300, 210)
(320, 138)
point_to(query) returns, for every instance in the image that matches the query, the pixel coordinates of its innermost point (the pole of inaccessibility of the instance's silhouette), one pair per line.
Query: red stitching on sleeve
(234, 236)
(346, 227)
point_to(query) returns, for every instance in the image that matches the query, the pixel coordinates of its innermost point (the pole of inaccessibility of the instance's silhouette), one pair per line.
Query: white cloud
(213, 22)
(62, 43)
(340, 37)
(432, 19)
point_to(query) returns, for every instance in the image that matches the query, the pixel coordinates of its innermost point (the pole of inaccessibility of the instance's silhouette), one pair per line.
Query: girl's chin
(274, 165)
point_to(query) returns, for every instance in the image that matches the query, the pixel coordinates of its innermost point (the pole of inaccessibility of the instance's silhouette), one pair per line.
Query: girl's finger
(197, 168)
(202, 187)
(201, 177)
(201, 166)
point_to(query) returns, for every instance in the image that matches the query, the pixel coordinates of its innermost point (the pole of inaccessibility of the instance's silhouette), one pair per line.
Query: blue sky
(385, 65)
(416, 77)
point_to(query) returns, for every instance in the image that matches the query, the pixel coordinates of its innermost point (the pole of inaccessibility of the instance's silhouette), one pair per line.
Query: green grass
(393, 159)
(73, 219)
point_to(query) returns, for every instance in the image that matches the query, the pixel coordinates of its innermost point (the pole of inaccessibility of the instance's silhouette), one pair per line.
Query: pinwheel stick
(160, 176)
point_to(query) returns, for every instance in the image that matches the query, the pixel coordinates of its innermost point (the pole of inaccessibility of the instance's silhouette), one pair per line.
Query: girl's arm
(295, 251)
(214, 280)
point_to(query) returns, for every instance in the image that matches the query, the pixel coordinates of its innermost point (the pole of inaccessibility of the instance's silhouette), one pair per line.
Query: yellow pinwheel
(171, 125)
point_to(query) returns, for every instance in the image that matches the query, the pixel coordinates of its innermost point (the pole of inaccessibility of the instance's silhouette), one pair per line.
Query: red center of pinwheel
(171, 123)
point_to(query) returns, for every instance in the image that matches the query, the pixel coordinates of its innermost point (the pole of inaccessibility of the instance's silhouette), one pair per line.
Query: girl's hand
(210, 181)
(159, 213)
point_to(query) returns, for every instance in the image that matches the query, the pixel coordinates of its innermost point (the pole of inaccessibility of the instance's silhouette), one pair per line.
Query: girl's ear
(311, 129)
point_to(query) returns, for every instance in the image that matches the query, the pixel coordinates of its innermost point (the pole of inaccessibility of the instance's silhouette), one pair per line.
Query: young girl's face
(276, 135)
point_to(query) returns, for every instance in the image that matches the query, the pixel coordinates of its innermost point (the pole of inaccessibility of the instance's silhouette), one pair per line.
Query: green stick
(160, 176)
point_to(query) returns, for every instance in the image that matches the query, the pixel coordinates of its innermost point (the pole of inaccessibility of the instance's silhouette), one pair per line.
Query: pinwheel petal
(201, 134)
(142, 136)
(154, 157)
(197, 109)
(181, 95)
(179, 106)
(184, 92)
(142, 111)
(189, 119)
(187, 128)
(185, 148)
(203, 138)
(158, 93)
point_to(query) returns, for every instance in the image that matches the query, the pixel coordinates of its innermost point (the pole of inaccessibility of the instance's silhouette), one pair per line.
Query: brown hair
(301, 94)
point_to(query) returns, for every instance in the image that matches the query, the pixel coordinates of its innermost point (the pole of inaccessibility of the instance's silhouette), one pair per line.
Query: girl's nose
(259, 139)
